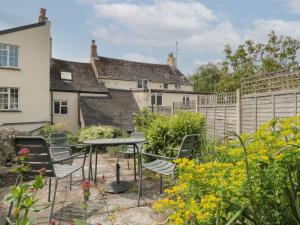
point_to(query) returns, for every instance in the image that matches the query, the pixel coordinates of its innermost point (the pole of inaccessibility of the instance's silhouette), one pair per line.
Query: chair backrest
(59, 146)
(58, 139)
(39, 156)
(188, 146)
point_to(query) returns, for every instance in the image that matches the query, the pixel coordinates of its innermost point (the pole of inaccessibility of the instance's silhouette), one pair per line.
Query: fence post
(238, 112)
(197, 104)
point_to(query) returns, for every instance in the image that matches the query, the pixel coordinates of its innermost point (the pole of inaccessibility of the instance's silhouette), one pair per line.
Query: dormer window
(9, 56)
(143, 84)
(66, 76)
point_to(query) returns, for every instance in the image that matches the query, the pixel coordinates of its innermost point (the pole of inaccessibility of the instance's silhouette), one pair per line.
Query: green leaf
(235, 216)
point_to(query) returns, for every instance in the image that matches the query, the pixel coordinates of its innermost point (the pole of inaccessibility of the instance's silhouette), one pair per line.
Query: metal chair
(130, 149)
(40, 156)
(164, 165)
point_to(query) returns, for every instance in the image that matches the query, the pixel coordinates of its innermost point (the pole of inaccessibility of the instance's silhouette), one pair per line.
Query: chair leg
(161, 185)
(49, 190)
(140, 186)
(53, 201)
(83, 176)
(71, 182)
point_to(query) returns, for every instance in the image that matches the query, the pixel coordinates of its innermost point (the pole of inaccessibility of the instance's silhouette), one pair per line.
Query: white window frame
(143, 85)
(155, 97)
(9, 101)
(66, 76)
(60, 106)
(8, 56)
(186, 99)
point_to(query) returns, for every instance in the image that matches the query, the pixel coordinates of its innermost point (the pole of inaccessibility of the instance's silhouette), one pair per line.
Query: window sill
(10, 68)
(10, 110)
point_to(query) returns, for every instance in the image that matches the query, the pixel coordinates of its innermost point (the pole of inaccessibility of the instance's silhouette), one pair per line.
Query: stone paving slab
(104, 208)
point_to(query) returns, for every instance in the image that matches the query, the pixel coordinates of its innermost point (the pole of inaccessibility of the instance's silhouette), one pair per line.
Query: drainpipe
(51, 107)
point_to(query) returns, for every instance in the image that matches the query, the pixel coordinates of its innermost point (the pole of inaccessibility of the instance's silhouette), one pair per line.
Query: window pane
(3, 57)
(3, 46)
(3, 100)
(153, 99)
(139, 85)
(56, 107)
(64, 110)
(14, 98)
(165, 86)
(13, 56)
(159, 100)
(145, 84)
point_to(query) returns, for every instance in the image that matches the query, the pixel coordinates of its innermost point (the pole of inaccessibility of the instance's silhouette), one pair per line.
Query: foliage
(256, 180)
(97, 132)
(143, 119)
(250, 58)
(48, 129)
(206, 78)
(168, 131)
(23, 196)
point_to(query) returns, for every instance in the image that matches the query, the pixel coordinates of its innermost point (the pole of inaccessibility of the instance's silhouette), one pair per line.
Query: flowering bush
(23, 196)
(255, 180)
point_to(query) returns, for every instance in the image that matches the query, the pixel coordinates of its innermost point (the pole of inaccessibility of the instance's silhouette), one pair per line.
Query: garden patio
(103, 208)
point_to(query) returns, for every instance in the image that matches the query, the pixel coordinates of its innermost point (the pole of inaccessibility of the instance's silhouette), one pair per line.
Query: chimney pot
(42, 17)
(171, 60)
(94, 49)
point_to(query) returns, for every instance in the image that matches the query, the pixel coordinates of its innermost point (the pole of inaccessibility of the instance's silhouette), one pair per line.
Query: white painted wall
(132, 85)
(33, 76)
(70, 120)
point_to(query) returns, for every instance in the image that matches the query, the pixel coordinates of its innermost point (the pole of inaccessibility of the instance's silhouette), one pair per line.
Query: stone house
(103, 91)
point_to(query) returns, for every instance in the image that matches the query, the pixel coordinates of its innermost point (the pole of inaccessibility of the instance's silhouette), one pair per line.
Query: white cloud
(139, 58)
(162, 23)
(293, 5)
(261, 28)
(198, 62)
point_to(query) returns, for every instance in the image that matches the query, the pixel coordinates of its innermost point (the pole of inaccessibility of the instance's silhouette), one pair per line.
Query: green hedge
(168, 131)
(98, 132)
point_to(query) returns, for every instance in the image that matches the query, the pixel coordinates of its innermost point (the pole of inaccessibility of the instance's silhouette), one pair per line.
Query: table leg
(96, 163)
(90, 164)
(134, 161)
(140, 174)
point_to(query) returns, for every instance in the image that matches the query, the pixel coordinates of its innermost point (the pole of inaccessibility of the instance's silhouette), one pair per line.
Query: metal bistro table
(116, 186)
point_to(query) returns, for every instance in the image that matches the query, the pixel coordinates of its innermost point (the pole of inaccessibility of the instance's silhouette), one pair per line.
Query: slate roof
(116, 110)
(15, 29)
(83, 77)
(118, 69)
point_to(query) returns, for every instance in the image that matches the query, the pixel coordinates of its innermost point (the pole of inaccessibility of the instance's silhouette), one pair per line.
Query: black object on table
(117, 186)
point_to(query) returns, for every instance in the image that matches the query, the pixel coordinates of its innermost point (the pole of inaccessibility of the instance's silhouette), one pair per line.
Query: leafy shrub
(97, 132)
(168, 131)
(256, 180)
(48, 129)
(143, 119)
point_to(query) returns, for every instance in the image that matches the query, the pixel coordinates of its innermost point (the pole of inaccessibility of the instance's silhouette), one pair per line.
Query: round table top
(115, 141)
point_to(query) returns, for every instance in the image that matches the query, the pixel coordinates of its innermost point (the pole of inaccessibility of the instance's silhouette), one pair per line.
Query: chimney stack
(94, 50)
(171, 60)
(42, 17)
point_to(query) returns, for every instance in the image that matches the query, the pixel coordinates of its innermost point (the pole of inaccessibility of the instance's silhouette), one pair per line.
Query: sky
(147, 30)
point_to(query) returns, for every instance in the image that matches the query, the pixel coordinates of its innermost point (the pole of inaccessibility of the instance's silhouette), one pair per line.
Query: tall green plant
(168, 131)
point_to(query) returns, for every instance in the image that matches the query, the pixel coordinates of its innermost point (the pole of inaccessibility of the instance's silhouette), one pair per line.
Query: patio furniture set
(56, 156)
